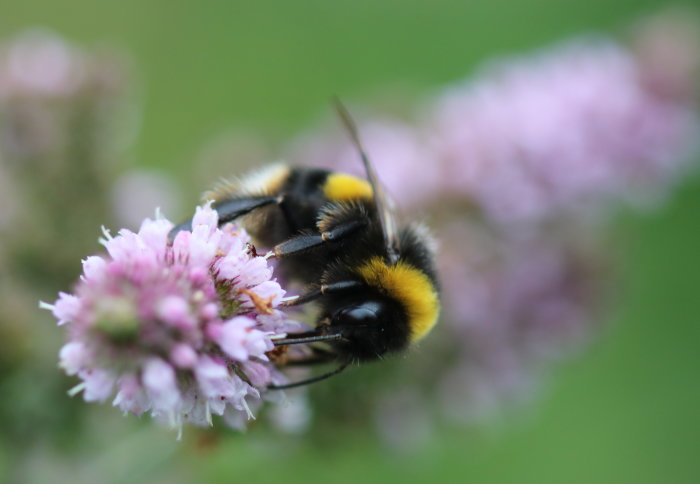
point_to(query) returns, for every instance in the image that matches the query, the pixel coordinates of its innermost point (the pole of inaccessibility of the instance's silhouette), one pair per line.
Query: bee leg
(308, 339)
(229, 210)
(237, 207)
(310, 380)
(322, 290)
(302, 243)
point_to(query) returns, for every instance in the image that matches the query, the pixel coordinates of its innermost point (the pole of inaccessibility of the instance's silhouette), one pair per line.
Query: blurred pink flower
(512, 304)
(159, 324)
(39, 62)
(51, 91)
(136, 192)
(559, 131)
(667, 49)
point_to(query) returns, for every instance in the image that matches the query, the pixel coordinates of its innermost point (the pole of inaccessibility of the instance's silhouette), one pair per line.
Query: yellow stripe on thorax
(409, 286)
(342, 187)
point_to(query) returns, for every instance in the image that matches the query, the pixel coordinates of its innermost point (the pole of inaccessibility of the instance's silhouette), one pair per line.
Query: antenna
(386, 217)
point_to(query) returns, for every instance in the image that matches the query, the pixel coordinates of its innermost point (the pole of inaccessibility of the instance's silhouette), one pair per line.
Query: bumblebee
(374, 284)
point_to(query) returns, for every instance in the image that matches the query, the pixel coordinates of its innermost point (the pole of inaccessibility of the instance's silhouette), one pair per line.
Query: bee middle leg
(305, 242)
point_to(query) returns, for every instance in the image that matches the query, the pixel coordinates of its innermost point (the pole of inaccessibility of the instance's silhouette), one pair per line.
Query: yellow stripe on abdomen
(409, 286)
(342, 187)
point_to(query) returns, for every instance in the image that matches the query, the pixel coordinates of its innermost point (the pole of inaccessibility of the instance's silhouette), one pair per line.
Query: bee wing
(384, 205)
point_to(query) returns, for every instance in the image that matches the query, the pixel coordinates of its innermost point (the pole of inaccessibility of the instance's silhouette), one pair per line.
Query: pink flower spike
(202, 250)
(131, 396)
(257, 343)
(270, 290)
(94, 268)
(154, 234)
(183, 356)
(72, 357)
(124, 246)
(233, 240)
(98, 384)
(214, 379)
(209, 311)
(66, 308)
(148, 320)
(234, 336)
(254, 271)
(159, 381)
(181, 246)
(229, 267)
(175, 311)
(206, 216)
(257, 373)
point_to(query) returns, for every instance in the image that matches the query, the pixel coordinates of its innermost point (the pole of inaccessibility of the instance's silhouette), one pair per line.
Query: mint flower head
(563, 129)
(181, 329)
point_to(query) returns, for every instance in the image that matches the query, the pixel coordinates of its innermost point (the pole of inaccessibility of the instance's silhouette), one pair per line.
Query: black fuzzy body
(304, 210)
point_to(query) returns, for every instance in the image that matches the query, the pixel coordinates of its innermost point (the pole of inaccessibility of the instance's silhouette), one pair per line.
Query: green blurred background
(627, 410)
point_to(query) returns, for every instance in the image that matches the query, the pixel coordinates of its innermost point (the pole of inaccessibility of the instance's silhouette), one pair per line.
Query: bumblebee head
(370, 328)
